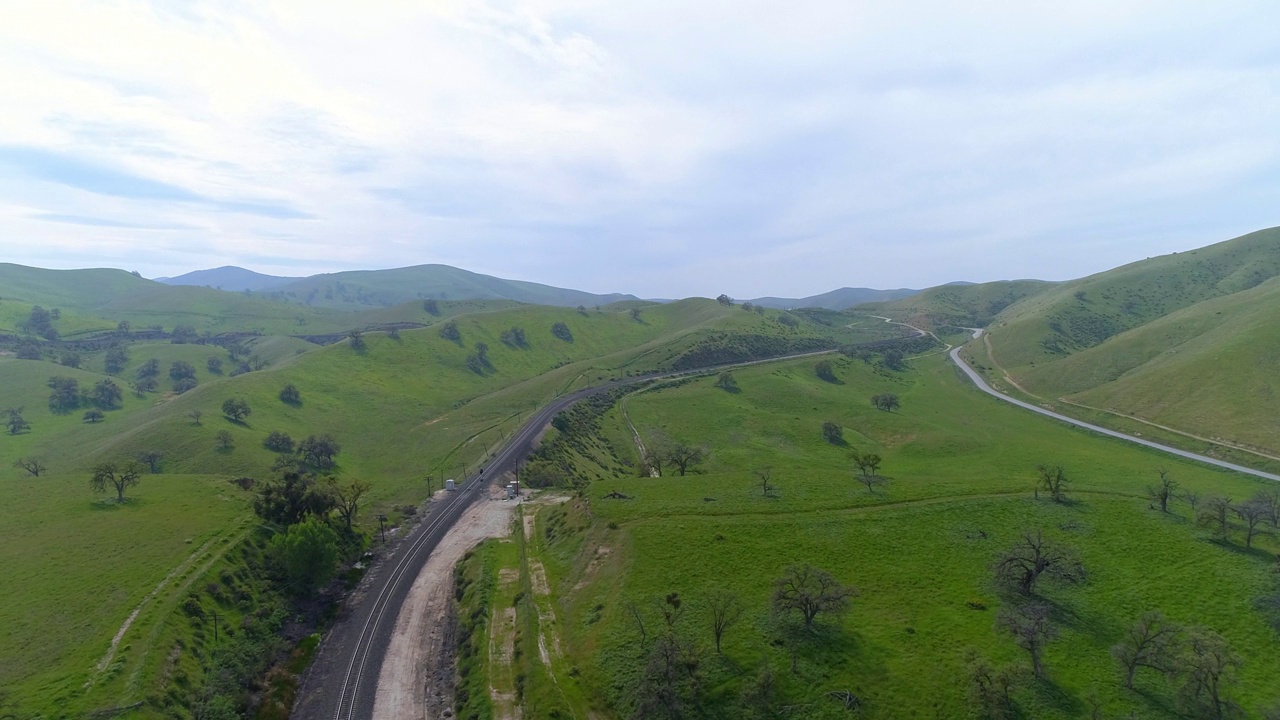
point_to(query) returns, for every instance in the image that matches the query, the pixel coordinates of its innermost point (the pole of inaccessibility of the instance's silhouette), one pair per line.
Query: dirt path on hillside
(635, 436)
(416, 681)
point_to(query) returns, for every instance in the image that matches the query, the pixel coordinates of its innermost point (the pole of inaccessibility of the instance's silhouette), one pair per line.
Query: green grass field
(919, 550)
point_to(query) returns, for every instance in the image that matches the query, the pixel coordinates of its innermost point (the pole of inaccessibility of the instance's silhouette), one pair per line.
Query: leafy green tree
(308, 554)
(213, 365)
(833, 433)
(278, 442)
(449, 331)
(788, 320)
(149, 369)
(319, 452)
(184, 385)
(151, 458)
(582, 310)
(291, 499)
(346, 498)
(110, 475)
(181, 369)
(92, 416)
(115, 360)
(357, 341)
(290, 395)
(430, 306)
(561, 331)
(106, 394)
(183, 334)
(887, 402)
(728, 383)
(15, 422)
(225, 441)
(894, 359)
(725, 300)
(237, 409)
(825, 370)
(635, 315)
(514, 338)
(70, 359)
(66, 394)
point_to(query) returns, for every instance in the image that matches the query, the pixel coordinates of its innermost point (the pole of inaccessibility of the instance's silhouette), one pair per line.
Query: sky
(659, 148)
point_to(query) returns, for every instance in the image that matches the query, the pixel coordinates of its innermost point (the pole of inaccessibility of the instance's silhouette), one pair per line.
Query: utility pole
(382, 520)
(215, 626)
(429, 479)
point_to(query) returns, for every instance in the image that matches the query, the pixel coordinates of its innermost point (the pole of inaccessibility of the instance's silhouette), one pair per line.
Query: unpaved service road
(416, 678)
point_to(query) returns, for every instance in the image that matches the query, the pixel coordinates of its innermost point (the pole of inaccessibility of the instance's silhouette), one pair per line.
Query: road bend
(343, 679)
(984, 387)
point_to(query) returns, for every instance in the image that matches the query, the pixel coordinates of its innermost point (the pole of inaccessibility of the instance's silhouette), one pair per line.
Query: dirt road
(415, 682)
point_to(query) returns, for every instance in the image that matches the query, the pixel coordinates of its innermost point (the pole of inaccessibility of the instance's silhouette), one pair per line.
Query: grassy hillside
(1083, 313)
(401, 408)
(442, 282)
(919, 550)
(958, 305)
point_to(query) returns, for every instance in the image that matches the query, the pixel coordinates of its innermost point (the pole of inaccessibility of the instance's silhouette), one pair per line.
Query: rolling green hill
(958, 305)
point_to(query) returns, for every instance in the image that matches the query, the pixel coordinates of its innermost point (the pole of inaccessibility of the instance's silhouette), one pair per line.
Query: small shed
(448, 484)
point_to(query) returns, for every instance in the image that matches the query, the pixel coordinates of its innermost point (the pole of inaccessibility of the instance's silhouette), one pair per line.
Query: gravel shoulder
(416, 680)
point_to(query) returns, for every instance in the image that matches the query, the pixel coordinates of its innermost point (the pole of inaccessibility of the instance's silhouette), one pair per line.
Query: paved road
(343, 679)
(984, 387)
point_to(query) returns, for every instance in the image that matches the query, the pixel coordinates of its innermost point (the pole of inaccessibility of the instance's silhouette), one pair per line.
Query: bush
(561, 331)
(833, 433)
(290, 395)
(278, 442)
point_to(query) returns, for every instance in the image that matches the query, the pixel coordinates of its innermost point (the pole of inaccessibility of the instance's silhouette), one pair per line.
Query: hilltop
(229, 278)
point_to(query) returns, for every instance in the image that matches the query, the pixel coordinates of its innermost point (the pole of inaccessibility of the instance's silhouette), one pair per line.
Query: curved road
(343, 679)
(984, 387)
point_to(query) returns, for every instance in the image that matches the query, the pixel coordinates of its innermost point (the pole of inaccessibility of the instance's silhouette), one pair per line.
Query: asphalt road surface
(984, 387)
(343, 678)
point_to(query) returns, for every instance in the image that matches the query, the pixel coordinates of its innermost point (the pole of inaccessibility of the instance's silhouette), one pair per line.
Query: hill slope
(229, 278)
(960, 305)
(841, 299)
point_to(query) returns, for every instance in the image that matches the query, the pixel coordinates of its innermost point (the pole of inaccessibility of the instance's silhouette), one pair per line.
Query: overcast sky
(663, 147)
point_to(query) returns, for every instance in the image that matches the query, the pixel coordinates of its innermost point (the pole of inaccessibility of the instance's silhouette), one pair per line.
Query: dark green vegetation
(379, 417)
(935, 629)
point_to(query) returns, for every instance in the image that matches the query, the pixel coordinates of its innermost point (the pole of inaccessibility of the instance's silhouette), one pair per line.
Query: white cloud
(636, 146)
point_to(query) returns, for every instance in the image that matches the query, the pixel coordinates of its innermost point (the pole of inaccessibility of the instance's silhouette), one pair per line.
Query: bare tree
(1033, 556)
(1271, 500)
(1253, 512)
(1053, 479)
(1162, 492)
(764, 475)
(347, 498)
(810, 591)
(195, 416)
(991, 688)
(118, 477)
(33, 465)
(1152, 642)
(1032, 628)
(1209, 666)
(1217, 515)
(1192, 499)
(637, 617)
(225, 441)
(726, 610)
(869, 469)
(669, 686)
(684, 456)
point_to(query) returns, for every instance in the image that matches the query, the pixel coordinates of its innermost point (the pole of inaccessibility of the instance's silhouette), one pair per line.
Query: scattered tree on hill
(1163, 491)
(725, 300)
(237, 409)
(110, 475)
(39, 321)
(726, 610)
(33, 465)
(748, 307)
(357, 341)
(213, 365)
(183, 334)
(635, 315)
(582, 310)
(514, 338)
(308, 554)
(346, 498)
(1253, 512)
(115, 360)
(106, 394)
(788, 320)
(185, 384)
(123, 326)
(684, 456)
(561, 331)
(181, 369)
(764, 475)
(833, 433)
(93, 415)
(430, 306)
(728, 382)
(810, 591)
(70, 359)
(857, 352)
(868, 466)
(150, 458)
(887, 402)
(1152, 642)
(670, 685)
(29, 350)
(1209, 666)
(289, 395)
(66, 394)
(759, 309)
(1270, 499)
(1032, 628)
(278, 442)
(991, 689)
(449, 331)
(291, 499)
(14, 421)
(148, 369)
(1053, 480)
(319, 452)
(225, 441)
(894, 359)
(1192, 499)
(478, 362)
(1217, 515)
(825, 370)
(195, 416)
(1032, 557)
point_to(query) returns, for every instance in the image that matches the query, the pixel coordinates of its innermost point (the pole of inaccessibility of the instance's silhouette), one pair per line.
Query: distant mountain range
(392, 287)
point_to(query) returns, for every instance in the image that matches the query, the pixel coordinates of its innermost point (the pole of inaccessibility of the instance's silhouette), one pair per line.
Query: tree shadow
(1254, 552)
(1057, 697)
